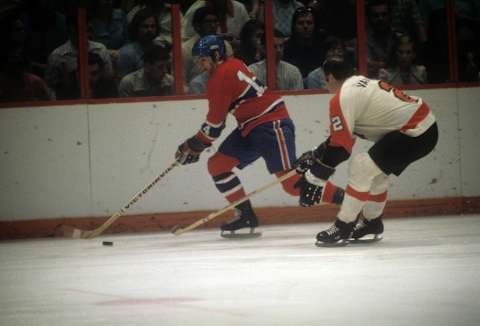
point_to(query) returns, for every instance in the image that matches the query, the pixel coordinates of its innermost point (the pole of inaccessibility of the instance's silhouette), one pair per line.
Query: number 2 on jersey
(337, 123)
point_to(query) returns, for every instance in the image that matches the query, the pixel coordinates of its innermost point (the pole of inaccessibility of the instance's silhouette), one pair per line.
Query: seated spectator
(143, 30)
(304, 49)
(436, 49)
(334, 47)
(380, 36)
(163, 11)
(154, 79)
(62, 66)
(102, 84)
(108, 26)
(282, 11)
(251, 47)
(16, 84)
(47, 30)
(231, 14)
(252, 7)
(407, 19)
(335, 18)
(205, 22)
(403, 69)
(13, 28)
(198, 85)
(287, 76)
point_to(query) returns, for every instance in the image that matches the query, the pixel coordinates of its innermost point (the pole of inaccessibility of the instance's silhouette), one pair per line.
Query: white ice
(426, 271)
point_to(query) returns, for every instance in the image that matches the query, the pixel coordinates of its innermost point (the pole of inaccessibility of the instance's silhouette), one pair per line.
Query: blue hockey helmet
(207, 45)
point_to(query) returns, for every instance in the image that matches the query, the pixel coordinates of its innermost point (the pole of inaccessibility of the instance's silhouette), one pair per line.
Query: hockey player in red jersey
(264, 130)
(403, 130)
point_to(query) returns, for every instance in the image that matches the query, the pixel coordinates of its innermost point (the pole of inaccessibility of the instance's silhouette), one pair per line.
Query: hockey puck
(107, 243)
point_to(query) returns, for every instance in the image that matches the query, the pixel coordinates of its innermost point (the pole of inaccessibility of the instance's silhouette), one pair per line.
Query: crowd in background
(130, 43)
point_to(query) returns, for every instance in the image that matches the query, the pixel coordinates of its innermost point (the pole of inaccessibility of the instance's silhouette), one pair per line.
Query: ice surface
(426, 271)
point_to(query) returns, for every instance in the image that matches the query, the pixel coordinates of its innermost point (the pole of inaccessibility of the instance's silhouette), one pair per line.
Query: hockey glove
(304, 162)
(312, 182)
(189, 151)
(307, 159)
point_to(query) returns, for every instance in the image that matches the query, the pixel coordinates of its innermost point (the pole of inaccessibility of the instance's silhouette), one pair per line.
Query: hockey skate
(245, 218)
(335, 236)
(368, 228)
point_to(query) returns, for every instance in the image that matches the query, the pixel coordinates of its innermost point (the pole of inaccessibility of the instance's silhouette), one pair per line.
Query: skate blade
(375, 239)
(233, 235)
(341, 243)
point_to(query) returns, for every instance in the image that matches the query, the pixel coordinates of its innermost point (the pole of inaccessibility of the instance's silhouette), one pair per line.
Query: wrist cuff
(313, 179)
(196, 145)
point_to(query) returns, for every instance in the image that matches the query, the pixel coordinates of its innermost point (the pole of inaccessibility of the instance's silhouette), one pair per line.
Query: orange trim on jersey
(339, 130)
(362, 196)
(281, 145)
(380, 198)
(328, 191)
(421, 113)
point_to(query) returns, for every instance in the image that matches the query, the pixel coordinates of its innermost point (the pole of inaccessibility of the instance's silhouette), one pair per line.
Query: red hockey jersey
(234, 89)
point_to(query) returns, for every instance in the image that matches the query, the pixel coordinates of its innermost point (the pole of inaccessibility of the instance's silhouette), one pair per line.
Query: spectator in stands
(304, 48)
(287, 76)
(154, 79)
(335, 47)
(252, 7)
(143, 30)
(198, 85)
(62, 66)
(407, 19)
(403, 69)
(163, 11)
(335, 18)
(16, 84)
(205, 22)
(467, 21)
(47, 30)
(231, 14)
(108, 26)
(13, 29)
(251, 47)
(380, 36)
(102, 84)
(282, 11)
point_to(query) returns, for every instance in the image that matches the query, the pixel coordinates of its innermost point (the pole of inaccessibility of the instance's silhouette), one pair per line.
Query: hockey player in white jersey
(403, 130)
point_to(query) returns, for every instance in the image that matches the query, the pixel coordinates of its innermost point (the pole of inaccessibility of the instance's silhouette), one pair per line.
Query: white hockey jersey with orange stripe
(371, 108)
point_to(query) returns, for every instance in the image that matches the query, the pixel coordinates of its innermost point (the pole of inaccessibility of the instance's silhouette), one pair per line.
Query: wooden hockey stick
(177, 230)
(71, 232)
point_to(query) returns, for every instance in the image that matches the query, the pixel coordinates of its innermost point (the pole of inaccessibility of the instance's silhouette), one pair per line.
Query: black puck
(107, 243)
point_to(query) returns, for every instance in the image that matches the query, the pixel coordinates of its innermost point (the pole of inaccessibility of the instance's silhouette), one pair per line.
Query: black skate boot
(368, 227)
(245, 218)
(336, 235)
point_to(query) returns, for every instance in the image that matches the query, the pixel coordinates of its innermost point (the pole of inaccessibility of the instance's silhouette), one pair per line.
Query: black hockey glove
(189, 151)
(304, 162)
(310, 194)
(307, 159)
(312, 182)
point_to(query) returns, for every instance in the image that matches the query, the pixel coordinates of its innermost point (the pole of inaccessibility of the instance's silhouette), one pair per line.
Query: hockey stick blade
(71, 232)
(177, 230)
